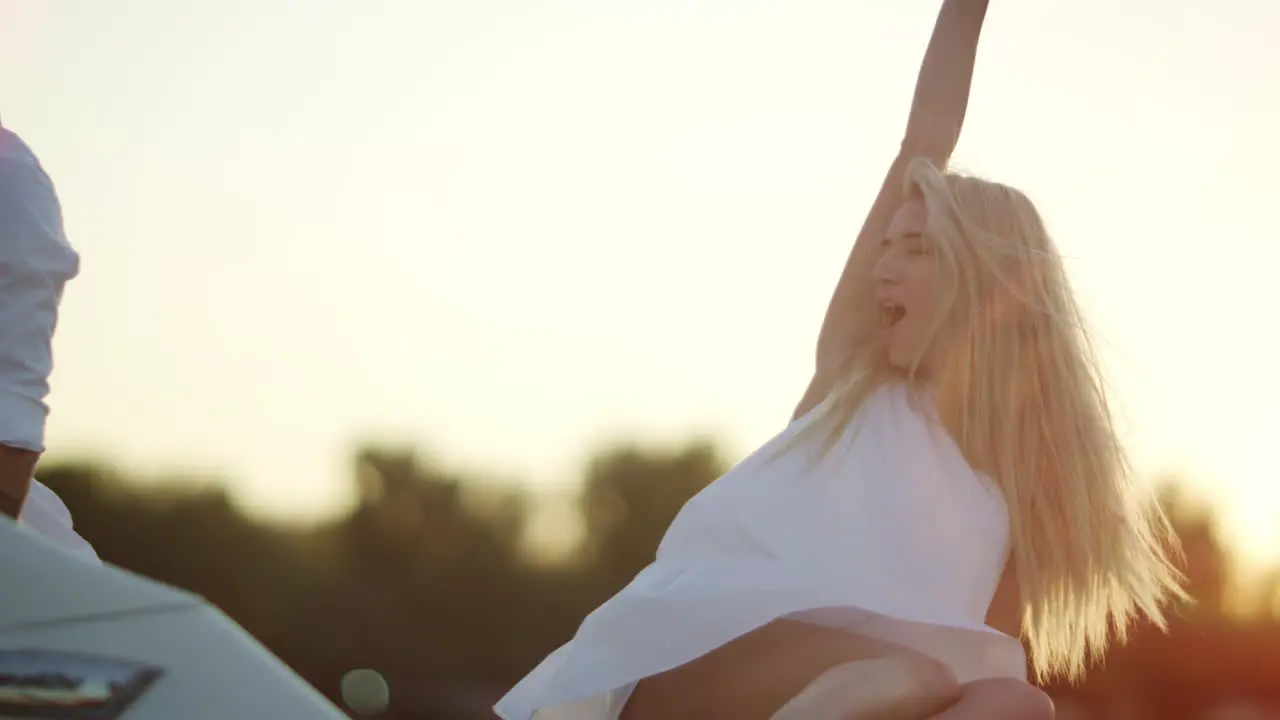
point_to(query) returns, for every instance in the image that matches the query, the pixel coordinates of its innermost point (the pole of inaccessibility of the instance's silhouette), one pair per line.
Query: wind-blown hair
(1018, 387)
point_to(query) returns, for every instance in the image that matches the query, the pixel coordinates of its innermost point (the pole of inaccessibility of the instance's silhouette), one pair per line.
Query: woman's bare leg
(753, 676)
(886, 688)
(912, 686)
(999, 699)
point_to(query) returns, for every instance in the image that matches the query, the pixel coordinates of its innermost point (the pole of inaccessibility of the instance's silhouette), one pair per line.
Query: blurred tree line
(428, 580)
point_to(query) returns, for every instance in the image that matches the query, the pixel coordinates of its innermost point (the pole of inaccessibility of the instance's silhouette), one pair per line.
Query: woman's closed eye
(917, 245)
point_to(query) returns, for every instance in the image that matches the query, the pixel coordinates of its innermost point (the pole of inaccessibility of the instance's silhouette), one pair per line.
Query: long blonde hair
(1020, 391)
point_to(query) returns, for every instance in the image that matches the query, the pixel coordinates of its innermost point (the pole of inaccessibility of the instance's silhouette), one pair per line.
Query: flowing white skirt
(890, 535)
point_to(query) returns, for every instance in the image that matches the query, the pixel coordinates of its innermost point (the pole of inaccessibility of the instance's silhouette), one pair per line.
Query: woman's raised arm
(933, 128)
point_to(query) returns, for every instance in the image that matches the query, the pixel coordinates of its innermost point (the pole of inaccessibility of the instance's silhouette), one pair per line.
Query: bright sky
(508, 231)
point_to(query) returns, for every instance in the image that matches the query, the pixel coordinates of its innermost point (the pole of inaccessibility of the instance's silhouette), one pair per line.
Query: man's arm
(35, 263)
(16, 468)
(933, 129)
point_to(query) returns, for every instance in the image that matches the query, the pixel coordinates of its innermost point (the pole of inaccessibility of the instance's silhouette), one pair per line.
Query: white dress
(890, 535)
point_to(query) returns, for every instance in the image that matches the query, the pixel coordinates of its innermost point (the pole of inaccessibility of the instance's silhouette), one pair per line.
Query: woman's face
(906, 286)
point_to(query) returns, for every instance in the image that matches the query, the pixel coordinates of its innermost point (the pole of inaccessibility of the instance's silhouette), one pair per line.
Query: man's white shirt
(36, 262)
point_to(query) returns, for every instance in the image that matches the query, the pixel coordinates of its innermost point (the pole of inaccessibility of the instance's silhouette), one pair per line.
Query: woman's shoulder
(896, 414)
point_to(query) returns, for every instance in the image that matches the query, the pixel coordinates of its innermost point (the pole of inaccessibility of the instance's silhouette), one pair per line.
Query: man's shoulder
(29, 208)
(22, 174)
(19, 166)
(13, 150)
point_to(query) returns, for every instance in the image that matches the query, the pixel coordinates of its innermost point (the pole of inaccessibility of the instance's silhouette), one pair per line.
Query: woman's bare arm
(933, 129)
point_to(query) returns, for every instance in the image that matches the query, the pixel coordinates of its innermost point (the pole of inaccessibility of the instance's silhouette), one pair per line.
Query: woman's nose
(885, 270)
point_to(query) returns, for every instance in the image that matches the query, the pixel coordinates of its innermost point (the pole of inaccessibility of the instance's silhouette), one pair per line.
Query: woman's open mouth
(891, 314)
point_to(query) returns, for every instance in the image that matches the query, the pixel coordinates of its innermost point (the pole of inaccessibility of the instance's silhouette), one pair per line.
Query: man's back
(36, 262)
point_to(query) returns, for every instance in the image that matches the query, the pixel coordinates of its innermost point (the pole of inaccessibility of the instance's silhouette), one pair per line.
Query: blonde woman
(951, 482)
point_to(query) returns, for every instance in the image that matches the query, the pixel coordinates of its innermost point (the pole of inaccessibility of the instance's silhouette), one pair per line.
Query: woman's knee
(926, 677)
(1007, 699)
(894, 686)
(923, 684)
